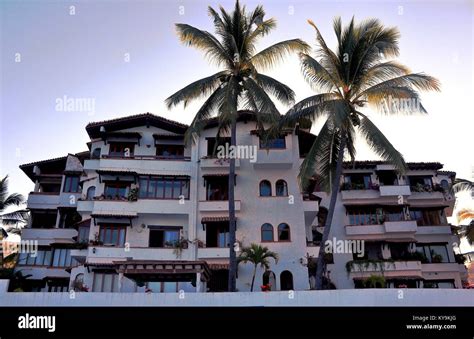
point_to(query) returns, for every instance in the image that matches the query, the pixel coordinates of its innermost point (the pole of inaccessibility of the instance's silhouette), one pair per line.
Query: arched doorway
(286, 281)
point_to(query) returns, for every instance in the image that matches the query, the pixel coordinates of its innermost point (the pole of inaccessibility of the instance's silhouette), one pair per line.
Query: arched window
(269, 279)
(286, 281)
(283, 232)
(265, 188)
(90, 193)
(267, 232)
(445, 184)
(281, 188)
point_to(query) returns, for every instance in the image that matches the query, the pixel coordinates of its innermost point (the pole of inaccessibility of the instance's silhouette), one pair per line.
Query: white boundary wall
(368, 297)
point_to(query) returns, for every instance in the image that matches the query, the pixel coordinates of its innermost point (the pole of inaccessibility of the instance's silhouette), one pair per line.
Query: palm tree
(7, 201)
(257, 255)
(239, 85)
(360, 72)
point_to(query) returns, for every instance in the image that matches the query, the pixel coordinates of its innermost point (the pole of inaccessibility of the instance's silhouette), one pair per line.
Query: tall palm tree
(358, 73)
(239, 85)
(257, 255)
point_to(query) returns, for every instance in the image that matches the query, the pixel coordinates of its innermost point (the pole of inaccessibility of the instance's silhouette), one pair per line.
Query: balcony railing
(146, 157)
(217, 205)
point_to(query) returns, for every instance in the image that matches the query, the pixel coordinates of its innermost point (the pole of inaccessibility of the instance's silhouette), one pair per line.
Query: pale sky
(47, 53)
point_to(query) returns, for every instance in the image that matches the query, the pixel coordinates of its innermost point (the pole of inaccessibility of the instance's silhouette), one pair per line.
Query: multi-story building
(402, 221)
(50, 233)
(143, 211)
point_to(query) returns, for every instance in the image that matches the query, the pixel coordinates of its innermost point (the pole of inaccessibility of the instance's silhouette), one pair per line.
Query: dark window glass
(281, 188)
(267, 232)
(277, 143)
(265, 188)
(71, 184)
(283, 232)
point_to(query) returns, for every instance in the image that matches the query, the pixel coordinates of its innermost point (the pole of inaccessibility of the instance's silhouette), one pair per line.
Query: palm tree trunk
(253, 277)
(232, 224)
(334, 191)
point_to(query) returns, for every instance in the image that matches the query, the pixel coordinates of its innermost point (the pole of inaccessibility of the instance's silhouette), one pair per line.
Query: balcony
(48, 236)
(394, 190)
(389, 230)
(391, 269)
(137, 253)
(437, 268)
(217, 205)
(40, 200)
(142, 164)
(163, 206)
(275, 159)
(357, 195)
(213, 253)
(434, 230)
(211, 163)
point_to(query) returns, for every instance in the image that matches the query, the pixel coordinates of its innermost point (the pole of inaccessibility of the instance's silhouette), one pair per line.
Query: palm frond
(197, 89)
(210, 106)
(205, 41)
(317, 76)
(380, 145)
(270, 56)
(279, 90)
(414, 80)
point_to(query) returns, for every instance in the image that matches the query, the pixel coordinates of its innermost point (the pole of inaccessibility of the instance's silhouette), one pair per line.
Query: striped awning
(114, 214)
(214, 219)
(216, 267)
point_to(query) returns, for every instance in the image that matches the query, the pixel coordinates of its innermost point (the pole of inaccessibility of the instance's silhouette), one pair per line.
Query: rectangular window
(62, 257)
(434, 253)
(71, 184)
(170, 151)
(114, 235)
(43, 218)
(116, 190)
(357, 181)
(420, 183)
(213, 143)
(162, 187)
(83, 234)
(427, 217)
(276, 143)
(164, 237)
(374, 215)
(217, 234)
(42, 258)
(217, 188)
(121, 149)
(105, 282)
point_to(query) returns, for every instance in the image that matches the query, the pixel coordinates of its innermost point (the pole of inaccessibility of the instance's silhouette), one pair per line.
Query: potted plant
(266, 288)
(133, 194)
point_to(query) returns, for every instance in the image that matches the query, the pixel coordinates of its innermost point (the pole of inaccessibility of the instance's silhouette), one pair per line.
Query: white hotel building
(142, 211)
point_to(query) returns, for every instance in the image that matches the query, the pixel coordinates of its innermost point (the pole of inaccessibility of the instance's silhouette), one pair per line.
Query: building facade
(143, 211)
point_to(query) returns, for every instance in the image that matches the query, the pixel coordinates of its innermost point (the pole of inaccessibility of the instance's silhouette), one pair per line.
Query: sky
(125, 58)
